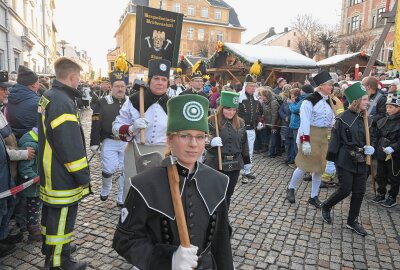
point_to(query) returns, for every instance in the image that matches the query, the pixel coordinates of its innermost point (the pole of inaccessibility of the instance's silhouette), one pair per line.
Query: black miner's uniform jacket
(234, 144)
(147, 234)
(104, 113)
(348, 134)
(63, 167)
(250, 110)
(387, 134)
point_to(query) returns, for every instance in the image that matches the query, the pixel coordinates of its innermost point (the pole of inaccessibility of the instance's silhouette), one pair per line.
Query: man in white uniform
(128, 123)
(102, 137)
(316, 120)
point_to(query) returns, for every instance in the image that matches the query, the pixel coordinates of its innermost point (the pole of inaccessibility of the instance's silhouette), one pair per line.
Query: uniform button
(190, 194)
(190, 204)
(167, 242)
(191, 214)
(191, 236)
(164, 222)
(213, 224)
(191, 226)
(212, 230)
(166, 236)
(214, 216)
(165, 229)
(210, 237)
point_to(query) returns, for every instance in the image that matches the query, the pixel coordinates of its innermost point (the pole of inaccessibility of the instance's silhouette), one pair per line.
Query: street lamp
(63, 43)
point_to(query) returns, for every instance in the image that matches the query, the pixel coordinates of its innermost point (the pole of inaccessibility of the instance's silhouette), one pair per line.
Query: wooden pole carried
(173, 179)
(368, 142)
(219, 147)
(141, 108)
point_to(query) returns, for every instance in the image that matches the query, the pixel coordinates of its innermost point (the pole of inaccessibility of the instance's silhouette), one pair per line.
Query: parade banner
(158, 34)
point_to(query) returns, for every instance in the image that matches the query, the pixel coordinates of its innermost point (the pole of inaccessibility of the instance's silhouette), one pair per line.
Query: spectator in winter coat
(278, 89)
(286, 135)
(214, 97)
(21, 110)
(270, 106)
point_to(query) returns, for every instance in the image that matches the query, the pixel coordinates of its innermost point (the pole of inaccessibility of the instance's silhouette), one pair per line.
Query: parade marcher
(63, 167)
(197, 80)
(232, 139)
(102, 140)
(176, 88)
(128, 123)
(250, 111)
(147, 232)
(86, 96)
(316, 120)
(347, 151)
(387, 145)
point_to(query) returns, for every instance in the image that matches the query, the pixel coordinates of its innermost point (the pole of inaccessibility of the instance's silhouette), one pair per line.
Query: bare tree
(205, 48)
(355, 42)
(328, 37)
(309, 27)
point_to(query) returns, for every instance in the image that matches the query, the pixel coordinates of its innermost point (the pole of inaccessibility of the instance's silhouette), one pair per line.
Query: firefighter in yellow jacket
(63, 166)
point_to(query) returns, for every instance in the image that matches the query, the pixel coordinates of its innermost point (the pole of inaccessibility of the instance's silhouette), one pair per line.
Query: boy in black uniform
(147, 234)
(387, 144)
(348, 150)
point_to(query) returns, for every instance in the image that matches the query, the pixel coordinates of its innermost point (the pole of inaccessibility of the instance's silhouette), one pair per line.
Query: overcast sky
(90, 24)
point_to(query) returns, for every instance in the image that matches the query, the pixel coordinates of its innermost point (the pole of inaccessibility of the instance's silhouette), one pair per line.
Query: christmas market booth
(232, 62)
(186, 64)
(343, 64)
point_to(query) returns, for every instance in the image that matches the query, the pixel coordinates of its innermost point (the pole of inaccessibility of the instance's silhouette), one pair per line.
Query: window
(218, 15)
(177, 7)
(355, 23)
(204, 12)
(16, 60)
(2, 63)
(373, 22)
(355, 2)
(163, 5)
(191, 10)
(190, 32)
(189, 53)
(212, 36)
(200, 35)
(379, 20)
(294, 34)
(288, 43)
(220, 36)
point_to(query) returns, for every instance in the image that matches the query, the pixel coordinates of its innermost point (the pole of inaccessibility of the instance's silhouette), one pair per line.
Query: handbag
(230, 163)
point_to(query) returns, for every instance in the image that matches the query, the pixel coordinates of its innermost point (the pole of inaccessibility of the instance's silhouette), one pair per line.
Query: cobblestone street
(268, 233)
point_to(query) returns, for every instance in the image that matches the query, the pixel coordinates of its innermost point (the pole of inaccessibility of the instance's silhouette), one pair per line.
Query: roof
(337, 59)
(266, 38)
(218, 3)
(140, 2)
(275, 56)
(191, 60)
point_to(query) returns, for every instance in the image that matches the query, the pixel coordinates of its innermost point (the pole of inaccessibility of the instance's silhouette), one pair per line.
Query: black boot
(326, 214)
(356, 227)
(315, 201)
(7, 249)
(290, 195)
(70, 264)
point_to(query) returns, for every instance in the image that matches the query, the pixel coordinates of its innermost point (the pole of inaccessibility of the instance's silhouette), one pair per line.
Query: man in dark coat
(21, 110)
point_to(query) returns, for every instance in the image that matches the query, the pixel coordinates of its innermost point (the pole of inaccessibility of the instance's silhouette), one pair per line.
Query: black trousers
(354, 183)
(233, 178)
(57, 227)
(386, 174)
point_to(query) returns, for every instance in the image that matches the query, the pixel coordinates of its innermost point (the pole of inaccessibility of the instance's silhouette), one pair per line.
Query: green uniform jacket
(28, 169)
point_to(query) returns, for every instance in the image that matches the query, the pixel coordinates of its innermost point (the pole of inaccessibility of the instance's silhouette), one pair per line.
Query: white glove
(260, 126)
(185, 258)
(140, 123)
(95, 149)
(306, 149)
(216, 141)
(369, 150)
(330, 167)
(388, 150)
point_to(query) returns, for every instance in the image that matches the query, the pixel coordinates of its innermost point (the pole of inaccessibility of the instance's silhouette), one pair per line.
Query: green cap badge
(229, 99)
(354, 92)
(187, 112)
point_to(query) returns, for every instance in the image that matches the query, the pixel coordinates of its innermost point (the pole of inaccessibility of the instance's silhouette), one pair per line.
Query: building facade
(363, 18)
(27, 35)
(205, 23)
(79, 56)
(288, 38)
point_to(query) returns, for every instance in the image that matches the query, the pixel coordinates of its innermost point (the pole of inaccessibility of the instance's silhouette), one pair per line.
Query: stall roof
(337, 59)
(274, 56)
